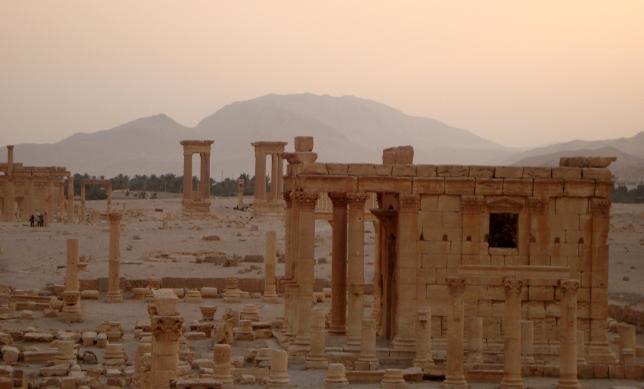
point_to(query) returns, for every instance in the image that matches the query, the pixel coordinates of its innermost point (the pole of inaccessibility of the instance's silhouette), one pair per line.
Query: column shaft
(114, 293)
(339, 264)
(355, 269)
(204, 181)
(455, 376)
(274, 178)
(568, 336)
(512, 335)
(260, 176)
(187, 176)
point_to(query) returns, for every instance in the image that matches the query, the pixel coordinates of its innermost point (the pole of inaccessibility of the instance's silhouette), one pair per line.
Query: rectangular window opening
(503, 230)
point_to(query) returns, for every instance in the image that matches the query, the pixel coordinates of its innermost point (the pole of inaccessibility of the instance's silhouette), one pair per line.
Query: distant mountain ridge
(346, 128)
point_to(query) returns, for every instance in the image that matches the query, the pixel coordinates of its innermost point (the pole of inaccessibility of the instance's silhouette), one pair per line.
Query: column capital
(408, 202)
(356, 200)
(166, 328)
(537, 205)
(569, 286)
(512, 286)
(600, 207)
(455, 285)
(339, 199)
(306, 200)
(115, 217)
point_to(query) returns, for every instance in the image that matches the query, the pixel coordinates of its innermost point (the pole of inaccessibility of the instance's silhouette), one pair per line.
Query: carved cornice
(600, 207)
(166, 328)
(507, 204)
(512, 286)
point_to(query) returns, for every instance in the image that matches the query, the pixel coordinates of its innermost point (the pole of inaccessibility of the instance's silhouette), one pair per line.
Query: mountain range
(346, 128)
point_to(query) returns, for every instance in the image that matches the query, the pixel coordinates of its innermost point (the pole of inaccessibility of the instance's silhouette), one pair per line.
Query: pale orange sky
(517, 72)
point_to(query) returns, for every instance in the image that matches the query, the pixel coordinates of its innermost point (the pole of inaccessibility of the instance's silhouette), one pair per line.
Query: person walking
(32, 220)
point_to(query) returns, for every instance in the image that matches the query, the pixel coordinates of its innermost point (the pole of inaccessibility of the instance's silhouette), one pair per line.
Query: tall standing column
(406, 273)
(512, 334)
(114, 294)
(355, 270)
(61, 201)
(240, 193)
(108, 189)
(71, 296)
(70, 198)
(270, 290)
(166, 325)
(49, 217)
(568, 336)
(279, 175)
(455, 376)
(305, 267)
(187, 176)
(260, 176)
(204, 180)
(274, 178)
(339, 264)
(82, 199)
(290, 269)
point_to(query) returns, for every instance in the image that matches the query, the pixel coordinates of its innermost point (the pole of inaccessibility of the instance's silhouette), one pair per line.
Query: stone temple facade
(483, 248)
(25, 190)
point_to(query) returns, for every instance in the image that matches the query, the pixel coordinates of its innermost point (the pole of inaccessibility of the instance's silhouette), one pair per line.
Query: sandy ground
(31, 258)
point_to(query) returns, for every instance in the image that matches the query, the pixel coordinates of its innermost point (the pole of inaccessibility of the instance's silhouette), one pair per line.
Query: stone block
(547, 187)
(303, 143)
(459, 185)
(452, 171)
(429, 185)
(508, 172)
(385, 184)
(449, 203)
(315, 168)
(566, 172)
(517, 187)
(574, 205)
(579, 188)
(616, 371)
(338, 169)
(489, 186)
(600, 371)
(404, 171)
(481, 171)
(425, 171)
(596, 173)
(428, 203)
(384, 170)
(536, 310)
(362, 169)
(603, 189)
(541, 293)
(537, 172)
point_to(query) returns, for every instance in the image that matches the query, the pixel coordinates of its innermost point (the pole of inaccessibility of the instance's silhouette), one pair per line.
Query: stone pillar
(339, 264)
(305, 266)
(336, 376)
(368, 359)
(70, 198)
(316, 358)
(278, 375)
(166, 329)
(270, 290)
(71, 311)
(512, 334)
(260, 176)
(240, 193)
(527, 341)
(280, 176)
(114, 294)
(49, 217)
(274, 178)
(568, 335)
(355, 270)
(204, 180)
(222, 365)
(10, 160)
(406, 273)
(627, 342)
(424, 358)
(108, 189)
(82, 199)
(475, 341)
(288, 280)
(61, 201)
(187, 176)
(454, 375)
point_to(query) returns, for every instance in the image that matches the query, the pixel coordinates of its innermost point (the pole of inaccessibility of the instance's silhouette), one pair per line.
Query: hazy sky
(517, 72)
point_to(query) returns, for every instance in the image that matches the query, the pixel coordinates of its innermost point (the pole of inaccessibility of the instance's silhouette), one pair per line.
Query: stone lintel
(524, 272)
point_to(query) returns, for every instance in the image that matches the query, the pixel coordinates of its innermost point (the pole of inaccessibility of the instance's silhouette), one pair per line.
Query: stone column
(61, 201)
(274, 178)
(114, 294)
(475, 340)
(406, 273)
(568, 335)
(187, 176)
(289, 275)
(70, 198)
(10, 160)
(627, 342)
(512, 334)
(240, 193)
(108, 189)
(278, 375)
(339, 264)
(316, 358)
(260, 176)
(305, 266)
(270, 290)
(71, 311)
(222, 365)
(368, 359)
(527, 341)
(424, 358)
(49, 217)
(454, 375)
(204, 180)
(355, 270)
(82, 199)
(280, 176)
(166, 329)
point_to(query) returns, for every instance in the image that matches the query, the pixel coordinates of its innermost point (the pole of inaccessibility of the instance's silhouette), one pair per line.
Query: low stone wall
(626, 313)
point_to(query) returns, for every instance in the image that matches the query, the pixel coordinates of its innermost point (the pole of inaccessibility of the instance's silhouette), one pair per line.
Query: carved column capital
(115, 217)
(339, 199)
(166, 328)
(600, 207)
(356, 200)
(306, 200)
(455, 285)
(512, 286)
(569, 286)
(408, 202)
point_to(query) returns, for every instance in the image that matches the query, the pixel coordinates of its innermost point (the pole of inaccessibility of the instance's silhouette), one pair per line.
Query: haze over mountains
(345, 128)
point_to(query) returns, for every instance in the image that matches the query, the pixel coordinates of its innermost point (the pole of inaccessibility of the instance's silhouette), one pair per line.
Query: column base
(338, 329)
(352, 345)
(316, 362)
(366, 364)
(401, 343)
(114, 297)
(455, 383)
(568, 384)
(511, 383)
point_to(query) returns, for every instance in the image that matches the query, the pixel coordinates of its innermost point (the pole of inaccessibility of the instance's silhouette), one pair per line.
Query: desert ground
(32, 258)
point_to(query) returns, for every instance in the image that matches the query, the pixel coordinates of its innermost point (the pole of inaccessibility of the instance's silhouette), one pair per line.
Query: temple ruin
(268, 202)
(196, 202)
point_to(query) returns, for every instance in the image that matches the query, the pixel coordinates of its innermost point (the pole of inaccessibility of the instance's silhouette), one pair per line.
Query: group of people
(37, 220)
